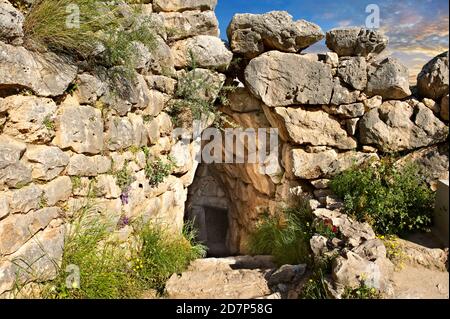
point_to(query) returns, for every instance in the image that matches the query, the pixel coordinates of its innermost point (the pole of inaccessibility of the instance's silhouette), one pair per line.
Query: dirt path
(420, 283)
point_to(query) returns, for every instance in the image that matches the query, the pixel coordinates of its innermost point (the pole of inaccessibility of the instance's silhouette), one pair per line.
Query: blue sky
(418, 29)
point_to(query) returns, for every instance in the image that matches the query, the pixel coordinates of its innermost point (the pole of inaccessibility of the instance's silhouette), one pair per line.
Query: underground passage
(208, 210)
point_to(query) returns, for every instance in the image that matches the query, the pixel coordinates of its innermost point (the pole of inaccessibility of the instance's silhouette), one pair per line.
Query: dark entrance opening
(208, 208)
(216, 221)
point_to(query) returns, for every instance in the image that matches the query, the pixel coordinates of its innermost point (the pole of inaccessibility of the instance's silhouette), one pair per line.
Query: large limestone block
(17, 229)
(183, 5)
(356, 41)
(397, 126)
(190, 23)
(208, 52)
(80, 128)
(58, 190)
(389, 79)
(301, 164)
(311, 127)
(46, 161)
(432, 81)
(253, 34)
(46, 75)
(282, 79)
(11, 21)
(29, 118)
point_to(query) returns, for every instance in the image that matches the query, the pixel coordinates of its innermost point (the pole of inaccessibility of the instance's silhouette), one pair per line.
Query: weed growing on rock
(157, 170)
(362, 292)
(394, 200)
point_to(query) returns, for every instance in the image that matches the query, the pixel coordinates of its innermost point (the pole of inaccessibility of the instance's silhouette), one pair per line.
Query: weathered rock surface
(11, 21)
(353, 71)
(36, 261)
(47, 162)
(355, 233)
(208, 52)
(282, 79)
(80, 128)
(299, 163)
(30, 118)
(190, 23)
(218, 279)
(46, 75)
(352, 269)
(252, 34)
(390, 79)
(313, 127)
(432, 162)
(397, 126)
(355, 41)
(183, 5)
(17, 229)
(432, 81)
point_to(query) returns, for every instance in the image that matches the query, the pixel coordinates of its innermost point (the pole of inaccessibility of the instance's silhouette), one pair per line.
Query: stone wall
(61, 152)
(333, 110)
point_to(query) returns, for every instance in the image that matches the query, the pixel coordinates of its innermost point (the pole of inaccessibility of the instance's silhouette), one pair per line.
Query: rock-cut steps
(241, 277)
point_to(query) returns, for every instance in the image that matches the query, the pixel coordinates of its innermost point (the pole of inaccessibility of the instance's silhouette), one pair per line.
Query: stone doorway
(208, 208)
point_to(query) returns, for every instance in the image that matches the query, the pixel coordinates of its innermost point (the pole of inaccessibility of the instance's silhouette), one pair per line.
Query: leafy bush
(362, 292)
(157, 170)
(285, 236)
(163, 254)
(394, 200)
(100, 26)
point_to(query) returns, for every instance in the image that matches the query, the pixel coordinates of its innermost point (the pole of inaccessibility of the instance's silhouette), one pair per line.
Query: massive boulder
(311, 127)
(432, 81)
(183, 5)
(206, 51)
(11, 21)
(301, 164)
(397, 126)
(45, 75)
(389, 79)
(282, 79)
(252, 34)
(356, 41)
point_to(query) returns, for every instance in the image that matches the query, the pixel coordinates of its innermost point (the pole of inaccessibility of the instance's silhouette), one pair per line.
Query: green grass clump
(394, 200)
(56, 25)
(109, 271)
(285, 236)
(104, 271)
(163, 254)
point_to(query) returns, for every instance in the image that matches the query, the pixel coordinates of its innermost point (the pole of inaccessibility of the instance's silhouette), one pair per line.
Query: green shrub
(362, 292)
(285, 236)
(157, 170)
(394, 200)
(163, 254)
